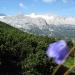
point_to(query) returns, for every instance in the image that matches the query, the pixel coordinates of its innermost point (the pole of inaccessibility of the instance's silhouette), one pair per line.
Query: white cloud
(51, 1)
(21, 5)
(66, 1)
(48, 1)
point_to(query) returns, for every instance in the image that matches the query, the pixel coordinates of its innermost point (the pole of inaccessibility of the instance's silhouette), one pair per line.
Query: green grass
(69, 62)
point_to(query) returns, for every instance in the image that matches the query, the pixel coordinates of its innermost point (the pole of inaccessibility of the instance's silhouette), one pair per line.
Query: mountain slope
(21, 53)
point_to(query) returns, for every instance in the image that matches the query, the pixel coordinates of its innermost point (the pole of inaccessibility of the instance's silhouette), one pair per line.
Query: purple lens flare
(57, 50)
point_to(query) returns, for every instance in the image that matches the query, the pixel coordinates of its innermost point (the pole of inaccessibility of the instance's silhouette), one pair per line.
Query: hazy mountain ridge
(2, 14)
(43, 24)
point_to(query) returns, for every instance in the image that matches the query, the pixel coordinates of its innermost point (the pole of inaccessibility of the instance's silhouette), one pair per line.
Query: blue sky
(56, 7)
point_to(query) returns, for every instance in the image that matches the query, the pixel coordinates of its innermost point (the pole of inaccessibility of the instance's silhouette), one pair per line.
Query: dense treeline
(22, 53)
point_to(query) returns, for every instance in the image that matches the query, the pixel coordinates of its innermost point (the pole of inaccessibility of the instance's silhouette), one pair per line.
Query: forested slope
(23, 53)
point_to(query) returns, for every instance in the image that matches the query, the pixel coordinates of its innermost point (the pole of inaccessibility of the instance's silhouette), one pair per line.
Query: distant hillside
(24, 54)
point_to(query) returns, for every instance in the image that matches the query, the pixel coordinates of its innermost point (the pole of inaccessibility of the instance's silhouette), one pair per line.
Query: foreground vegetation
(24, 54)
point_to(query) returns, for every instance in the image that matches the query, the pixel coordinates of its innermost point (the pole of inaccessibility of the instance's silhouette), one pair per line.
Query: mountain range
(47, 25)
(2, 14)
